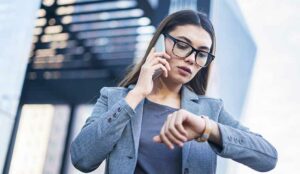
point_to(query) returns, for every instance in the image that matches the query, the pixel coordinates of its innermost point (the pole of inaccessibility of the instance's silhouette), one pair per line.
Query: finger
(157, 139)
(179, 126)
(167, 55)
(157, 66)
(169, 131)
(162, 61)
(162, 54)
(164, 139)
(174, 130)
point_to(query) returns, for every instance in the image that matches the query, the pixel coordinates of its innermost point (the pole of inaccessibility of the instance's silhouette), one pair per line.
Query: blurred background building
(57, 54)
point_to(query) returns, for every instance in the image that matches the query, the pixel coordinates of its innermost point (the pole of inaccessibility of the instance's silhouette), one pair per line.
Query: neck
(164, 89)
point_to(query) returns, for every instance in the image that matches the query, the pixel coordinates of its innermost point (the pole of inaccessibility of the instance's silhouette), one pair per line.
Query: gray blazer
(112, 132)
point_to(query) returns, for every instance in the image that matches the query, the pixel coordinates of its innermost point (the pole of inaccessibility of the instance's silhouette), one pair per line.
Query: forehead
(197, 35)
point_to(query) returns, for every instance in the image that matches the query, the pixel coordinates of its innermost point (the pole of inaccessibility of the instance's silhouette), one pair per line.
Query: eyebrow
(190, 42)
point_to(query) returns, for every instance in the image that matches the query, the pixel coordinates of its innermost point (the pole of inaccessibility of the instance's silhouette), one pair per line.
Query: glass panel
(40, 139)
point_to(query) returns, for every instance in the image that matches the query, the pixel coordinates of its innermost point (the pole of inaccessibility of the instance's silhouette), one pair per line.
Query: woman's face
(184, 69)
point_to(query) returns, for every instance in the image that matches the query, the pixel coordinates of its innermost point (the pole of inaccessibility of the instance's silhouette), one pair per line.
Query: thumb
(157, 139)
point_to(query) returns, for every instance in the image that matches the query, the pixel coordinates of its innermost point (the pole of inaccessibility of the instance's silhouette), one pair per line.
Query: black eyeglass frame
(210, 57)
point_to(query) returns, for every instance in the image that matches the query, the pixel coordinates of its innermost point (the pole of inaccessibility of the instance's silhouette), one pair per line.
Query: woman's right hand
(154, 62)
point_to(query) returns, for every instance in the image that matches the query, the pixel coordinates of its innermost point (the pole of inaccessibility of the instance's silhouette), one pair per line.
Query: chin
(179, 79)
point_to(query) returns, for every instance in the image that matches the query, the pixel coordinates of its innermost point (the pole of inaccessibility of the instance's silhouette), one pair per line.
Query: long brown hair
(199, 83)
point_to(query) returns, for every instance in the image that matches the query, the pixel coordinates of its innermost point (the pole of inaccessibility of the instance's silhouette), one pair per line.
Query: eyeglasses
(183, 50)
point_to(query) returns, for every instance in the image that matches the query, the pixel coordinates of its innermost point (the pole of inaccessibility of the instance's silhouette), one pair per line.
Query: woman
(167, 124)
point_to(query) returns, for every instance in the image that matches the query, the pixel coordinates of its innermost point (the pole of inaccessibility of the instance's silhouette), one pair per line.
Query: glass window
(40, 139)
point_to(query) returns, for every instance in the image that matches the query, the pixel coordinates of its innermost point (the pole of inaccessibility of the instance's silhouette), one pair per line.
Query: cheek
(169, 50)
(169, 47)
(173, 62)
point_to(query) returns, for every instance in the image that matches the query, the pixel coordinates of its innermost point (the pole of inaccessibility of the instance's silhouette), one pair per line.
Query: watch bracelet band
(206, 133)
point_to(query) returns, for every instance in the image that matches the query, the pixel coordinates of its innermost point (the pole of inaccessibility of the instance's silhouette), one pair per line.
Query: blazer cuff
(229, 142)
(127, 108)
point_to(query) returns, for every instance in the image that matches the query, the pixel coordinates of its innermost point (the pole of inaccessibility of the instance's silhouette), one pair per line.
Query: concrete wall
(235, 57)
(17, 21)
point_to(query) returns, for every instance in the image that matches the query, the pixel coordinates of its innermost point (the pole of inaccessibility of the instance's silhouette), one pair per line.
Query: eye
(202, 55)
(182, 45)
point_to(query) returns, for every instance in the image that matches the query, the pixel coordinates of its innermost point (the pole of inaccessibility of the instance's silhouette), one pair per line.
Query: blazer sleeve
(100, 133)
(242, 145)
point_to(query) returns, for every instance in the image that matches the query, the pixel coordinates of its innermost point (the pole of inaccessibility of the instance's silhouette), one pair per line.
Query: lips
(184, 68)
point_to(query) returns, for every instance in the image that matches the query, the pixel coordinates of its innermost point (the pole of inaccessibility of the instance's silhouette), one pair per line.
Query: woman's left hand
(180, 126)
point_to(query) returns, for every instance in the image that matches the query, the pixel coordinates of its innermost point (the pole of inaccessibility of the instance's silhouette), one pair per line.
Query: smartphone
(159, 47)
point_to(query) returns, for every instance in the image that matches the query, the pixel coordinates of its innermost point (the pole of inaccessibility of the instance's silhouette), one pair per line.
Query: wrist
(215, 136)
(201, 126)
(206, 131)
(133, 98)
(138, 93)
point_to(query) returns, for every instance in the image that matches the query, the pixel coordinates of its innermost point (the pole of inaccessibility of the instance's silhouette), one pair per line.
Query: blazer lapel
(188, 102)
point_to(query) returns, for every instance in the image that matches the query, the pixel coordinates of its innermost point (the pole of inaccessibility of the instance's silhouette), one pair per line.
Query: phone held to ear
(159, 47)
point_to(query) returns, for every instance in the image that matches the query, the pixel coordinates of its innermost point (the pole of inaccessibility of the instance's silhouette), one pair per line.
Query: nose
(191, 58)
